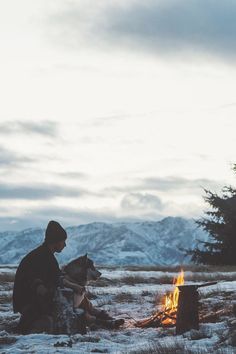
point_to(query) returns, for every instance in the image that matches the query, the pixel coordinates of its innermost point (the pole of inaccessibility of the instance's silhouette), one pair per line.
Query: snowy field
(135, 293)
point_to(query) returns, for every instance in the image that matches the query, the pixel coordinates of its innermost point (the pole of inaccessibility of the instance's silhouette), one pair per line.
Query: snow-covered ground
(134, 295)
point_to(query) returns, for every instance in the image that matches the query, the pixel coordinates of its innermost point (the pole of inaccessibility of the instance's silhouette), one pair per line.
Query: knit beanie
(54, 233)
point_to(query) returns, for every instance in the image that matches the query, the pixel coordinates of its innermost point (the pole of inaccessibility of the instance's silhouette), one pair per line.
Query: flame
(171, 300)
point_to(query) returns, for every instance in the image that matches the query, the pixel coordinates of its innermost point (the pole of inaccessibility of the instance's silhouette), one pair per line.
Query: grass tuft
(160, 348)
(5, 298)
(7, 340)
(124, 297)
(7, 277)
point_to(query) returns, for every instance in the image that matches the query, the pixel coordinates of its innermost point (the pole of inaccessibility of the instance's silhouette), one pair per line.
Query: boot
(103, 315)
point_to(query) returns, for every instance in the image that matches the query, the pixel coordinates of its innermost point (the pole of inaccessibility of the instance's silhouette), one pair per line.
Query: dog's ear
(84, 259)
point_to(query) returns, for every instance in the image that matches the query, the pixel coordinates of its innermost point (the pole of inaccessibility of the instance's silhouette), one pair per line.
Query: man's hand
(76, 287)
(41, 290)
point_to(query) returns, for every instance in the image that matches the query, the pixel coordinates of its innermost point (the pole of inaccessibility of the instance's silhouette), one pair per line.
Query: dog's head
(82, 270)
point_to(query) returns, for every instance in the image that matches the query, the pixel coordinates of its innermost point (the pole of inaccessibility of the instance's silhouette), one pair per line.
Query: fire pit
(180, 308)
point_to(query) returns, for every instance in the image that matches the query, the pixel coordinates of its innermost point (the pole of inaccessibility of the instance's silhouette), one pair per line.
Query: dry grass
(146, 293)
(157, 299)
(6, 287)
(175, 348)
(102, 282)
(218, 293)
(4, 340)
(187, 267)
(5, 298)
(7, 277)
(168, 278)
(232, 333)
(124, 297)
(133, 280)
(137, 279)
(160, 348)
(164, 279)
(205, 277)
(234, 309)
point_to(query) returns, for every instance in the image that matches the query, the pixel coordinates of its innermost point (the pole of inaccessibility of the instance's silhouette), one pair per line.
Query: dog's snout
(97, 274)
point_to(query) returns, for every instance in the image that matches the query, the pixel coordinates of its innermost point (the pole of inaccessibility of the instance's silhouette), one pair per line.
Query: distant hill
(137, 243)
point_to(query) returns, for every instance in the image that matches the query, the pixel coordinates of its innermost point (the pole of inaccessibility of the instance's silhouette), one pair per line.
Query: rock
(66, 319)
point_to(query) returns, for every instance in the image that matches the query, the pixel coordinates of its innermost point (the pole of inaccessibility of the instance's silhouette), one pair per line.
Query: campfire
(167, 316)
(180, 308)
(171, 302)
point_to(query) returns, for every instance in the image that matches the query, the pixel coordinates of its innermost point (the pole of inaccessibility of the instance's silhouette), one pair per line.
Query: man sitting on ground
(36, 280)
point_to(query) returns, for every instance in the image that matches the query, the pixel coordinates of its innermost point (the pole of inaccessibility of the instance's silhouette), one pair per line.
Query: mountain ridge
(120, 243)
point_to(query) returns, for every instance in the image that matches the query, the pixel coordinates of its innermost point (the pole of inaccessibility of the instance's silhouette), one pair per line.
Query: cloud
(109, 120)
(178, 183)
(39, 217)
(156, 26)
(43, 128)
(38, 192)
(9, 158)
(167, 184)
(72, 175)
(143, 201)
(74, 215)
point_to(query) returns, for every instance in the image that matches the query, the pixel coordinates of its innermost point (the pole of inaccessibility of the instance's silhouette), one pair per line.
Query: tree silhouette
(220, 223)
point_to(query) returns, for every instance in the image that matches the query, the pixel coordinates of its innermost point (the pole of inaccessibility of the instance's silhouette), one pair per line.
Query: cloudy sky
(114, 109)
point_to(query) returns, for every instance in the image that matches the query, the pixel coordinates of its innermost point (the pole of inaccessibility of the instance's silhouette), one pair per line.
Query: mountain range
(136, 243)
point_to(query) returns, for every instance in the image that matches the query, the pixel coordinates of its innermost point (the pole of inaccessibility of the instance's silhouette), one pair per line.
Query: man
(36, 279)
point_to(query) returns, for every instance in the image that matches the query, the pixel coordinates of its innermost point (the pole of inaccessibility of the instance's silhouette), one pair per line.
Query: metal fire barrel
(187, 312)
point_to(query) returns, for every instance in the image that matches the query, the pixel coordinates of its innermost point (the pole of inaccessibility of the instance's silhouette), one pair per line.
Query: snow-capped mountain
(138, 243)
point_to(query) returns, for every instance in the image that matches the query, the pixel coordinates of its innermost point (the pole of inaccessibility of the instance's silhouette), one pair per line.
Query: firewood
(212, 317)
(171, 317)
(152, 321)
(157, 320)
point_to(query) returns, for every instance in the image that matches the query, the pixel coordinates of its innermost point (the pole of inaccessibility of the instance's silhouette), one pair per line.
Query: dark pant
(39, 310)
(29, 314)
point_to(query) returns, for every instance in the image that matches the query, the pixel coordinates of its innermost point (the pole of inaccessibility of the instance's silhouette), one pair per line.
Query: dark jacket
(38, 267)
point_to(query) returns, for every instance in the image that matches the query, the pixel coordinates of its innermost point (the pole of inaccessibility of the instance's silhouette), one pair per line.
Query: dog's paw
(118, 323)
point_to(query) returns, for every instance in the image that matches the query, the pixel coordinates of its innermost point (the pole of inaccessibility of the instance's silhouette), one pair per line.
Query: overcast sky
(114, 110)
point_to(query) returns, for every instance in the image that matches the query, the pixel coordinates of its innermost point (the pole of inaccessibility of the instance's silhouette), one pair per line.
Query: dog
(76, 275)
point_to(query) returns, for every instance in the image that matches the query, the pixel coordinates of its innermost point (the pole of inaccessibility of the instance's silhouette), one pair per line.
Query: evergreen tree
(220, 223)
